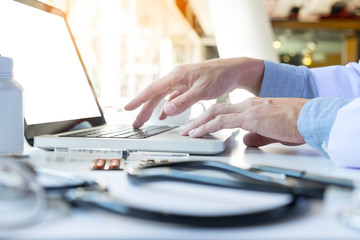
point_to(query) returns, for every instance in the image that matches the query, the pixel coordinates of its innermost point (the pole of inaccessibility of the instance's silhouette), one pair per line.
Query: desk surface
(319, 222)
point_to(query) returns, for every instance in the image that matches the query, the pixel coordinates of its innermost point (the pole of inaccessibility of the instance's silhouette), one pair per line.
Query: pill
(99, 164)
(115, 164)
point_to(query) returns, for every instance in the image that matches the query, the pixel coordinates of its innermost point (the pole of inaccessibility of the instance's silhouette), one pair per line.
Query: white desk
(319, 222)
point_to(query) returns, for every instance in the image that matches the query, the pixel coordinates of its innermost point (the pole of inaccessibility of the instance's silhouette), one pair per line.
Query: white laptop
(59, 95)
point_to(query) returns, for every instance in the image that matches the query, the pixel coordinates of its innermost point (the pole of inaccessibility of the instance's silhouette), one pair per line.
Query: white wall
(242, 28)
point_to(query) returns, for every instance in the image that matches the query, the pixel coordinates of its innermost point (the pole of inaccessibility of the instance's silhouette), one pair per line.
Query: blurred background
(127, 44)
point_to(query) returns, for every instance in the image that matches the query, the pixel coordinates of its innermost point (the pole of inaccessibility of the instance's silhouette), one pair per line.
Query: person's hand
(190, 83)
(268, 120)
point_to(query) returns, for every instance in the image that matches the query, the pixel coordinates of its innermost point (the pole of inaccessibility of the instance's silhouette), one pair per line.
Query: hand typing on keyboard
(267, 120)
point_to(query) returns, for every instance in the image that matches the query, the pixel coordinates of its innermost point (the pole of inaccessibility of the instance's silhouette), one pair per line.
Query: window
(128, 44)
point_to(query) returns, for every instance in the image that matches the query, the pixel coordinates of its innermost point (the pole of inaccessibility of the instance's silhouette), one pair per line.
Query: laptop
(59, 95)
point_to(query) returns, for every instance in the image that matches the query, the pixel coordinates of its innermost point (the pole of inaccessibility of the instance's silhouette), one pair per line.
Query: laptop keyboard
(121, 132)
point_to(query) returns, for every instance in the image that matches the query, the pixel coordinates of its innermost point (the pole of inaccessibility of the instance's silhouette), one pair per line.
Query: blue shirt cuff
(284, 80)
(316, 120)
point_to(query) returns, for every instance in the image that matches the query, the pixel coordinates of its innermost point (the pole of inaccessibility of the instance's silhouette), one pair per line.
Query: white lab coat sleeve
(344, 140)
(343, 144)
(328, 122)
(337, 81)
(316, 120)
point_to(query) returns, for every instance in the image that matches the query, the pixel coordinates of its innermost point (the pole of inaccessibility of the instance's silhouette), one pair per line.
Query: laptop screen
(46, 63)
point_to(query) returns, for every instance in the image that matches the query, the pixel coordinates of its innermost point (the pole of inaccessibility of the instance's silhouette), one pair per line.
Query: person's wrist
(251, 73)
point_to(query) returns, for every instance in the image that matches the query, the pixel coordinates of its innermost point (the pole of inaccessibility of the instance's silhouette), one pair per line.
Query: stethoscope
(295, 185)
(91, 193)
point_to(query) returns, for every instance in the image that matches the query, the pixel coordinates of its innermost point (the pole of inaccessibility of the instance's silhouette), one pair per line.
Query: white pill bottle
(11, 110)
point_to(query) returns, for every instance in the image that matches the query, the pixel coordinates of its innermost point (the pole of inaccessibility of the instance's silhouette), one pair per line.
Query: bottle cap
(6, 67)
